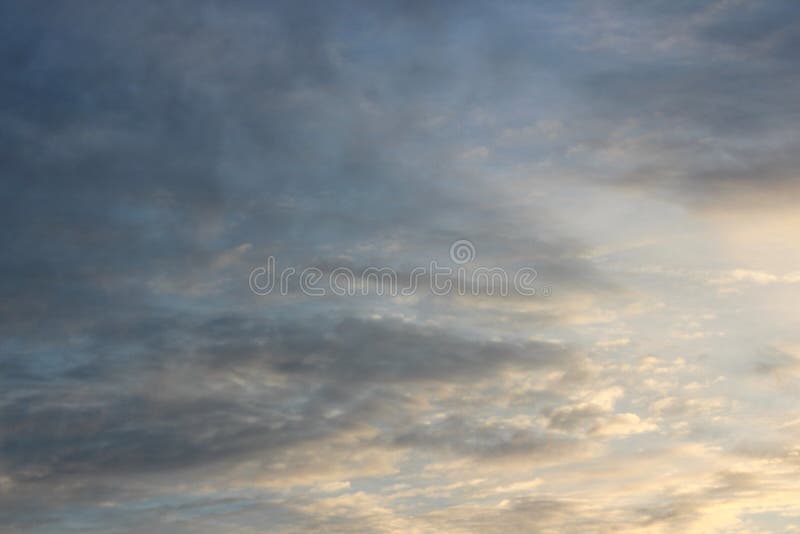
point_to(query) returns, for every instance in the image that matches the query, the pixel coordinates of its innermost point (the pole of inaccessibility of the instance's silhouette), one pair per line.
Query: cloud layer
(641, 156)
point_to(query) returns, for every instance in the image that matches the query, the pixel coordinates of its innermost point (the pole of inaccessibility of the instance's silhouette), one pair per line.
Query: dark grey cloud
(192, 400)
(573, 418)
(142, 144)
(681, 511)
(487, 441)
(385, 350)
(709, 89)
(152, 155)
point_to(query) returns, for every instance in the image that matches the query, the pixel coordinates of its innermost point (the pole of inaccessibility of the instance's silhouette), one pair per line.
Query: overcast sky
(641, 156)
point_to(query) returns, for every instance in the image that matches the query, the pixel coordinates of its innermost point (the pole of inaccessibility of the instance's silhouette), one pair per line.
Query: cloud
(154, 155)
(217, 397)
(696, 104)
(487, 441)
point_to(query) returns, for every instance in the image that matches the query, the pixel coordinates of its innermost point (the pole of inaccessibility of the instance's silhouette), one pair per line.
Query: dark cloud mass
(154, 153)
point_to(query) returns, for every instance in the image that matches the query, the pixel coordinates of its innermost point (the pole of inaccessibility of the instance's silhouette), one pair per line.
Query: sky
(640, 158)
